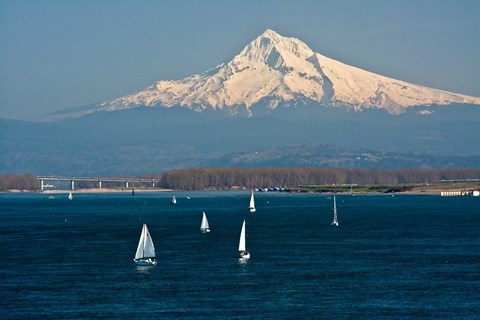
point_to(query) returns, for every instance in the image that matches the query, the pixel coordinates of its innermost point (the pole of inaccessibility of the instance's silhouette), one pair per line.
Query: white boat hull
(244, 256)
(252, 210)
(334, 224)
(205, 230)
(145, 262)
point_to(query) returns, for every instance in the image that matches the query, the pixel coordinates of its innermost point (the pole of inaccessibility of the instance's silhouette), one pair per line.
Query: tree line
(18, 182)
(281, 177)
(285, 177)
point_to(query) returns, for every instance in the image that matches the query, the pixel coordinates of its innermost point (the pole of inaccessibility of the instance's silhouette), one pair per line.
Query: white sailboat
(335, 220)
(70, 196)
(242, 245)
(252, 203)
(174, 200)
(204, 227)
(145, 255)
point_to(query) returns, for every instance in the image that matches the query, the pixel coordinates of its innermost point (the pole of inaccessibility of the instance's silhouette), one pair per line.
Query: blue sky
(60, 54)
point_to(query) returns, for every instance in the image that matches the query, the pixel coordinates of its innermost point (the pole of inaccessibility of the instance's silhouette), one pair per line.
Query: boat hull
(244, 256)
(145, 262)
(252, 210)
(205, 230)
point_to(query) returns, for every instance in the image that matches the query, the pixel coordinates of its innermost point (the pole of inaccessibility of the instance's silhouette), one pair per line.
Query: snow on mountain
(277, 70)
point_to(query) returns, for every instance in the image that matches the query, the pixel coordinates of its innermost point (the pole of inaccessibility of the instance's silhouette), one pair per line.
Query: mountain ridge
(273, 71)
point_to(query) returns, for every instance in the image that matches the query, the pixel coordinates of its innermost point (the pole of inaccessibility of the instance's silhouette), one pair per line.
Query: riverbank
(89, 190)
(427, 189)
(103, 190)
(430, 189)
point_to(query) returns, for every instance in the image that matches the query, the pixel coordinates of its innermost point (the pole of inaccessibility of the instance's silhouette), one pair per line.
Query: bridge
(98, 180)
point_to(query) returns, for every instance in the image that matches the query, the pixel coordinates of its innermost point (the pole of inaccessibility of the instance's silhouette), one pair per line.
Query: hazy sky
(60, 54)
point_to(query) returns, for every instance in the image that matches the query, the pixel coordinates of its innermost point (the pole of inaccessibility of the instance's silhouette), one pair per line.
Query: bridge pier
(72, 184)
(153, 184)
(41, 185)
(99, 184)
(126, 184)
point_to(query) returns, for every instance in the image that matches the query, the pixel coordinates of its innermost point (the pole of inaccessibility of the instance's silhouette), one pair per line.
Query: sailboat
(174, 200)
(242, 246)
(70, 196)
(204, 226)
(145, 255)
(335, 221)
(252, 203)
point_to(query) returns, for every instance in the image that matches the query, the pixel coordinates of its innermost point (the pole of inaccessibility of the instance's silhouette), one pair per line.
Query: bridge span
(98, 180)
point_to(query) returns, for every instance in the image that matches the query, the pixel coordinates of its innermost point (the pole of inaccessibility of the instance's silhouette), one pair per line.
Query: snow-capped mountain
(274, 70)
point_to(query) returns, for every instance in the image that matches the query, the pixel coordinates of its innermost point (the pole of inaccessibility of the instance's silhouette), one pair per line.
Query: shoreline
(414, 191)
(87, 190)
(102, 190)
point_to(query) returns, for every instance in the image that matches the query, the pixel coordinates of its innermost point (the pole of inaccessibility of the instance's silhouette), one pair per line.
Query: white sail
(139, 253)
(145, 248)
(242, 243)
(252, 203)
(335, 220)
(204, 226)
(174, 200)
(149, 247)
(70, 196)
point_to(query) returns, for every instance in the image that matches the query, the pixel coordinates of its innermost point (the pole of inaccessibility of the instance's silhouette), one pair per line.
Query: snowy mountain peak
(273, 49)
(273, 70)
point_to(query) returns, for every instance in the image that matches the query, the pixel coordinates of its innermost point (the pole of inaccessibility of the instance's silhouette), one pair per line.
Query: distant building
(474, 193)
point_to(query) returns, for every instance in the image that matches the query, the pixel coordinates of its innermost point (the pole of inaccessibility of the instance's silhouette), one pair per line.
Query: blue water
(402, 257)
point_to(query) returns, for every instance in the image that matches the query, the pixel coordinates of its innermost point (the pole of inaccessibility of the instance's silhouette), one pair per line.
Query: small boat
(335, 220)
(145, 255)
(70, 196)
(204, 227)
(252, 203)
(242, 246)
(51, 197)
(174, 200)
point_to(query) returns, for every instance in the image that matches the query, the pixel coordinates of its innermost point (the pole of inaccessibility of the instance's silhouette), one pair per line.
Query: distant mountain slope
(272, 71)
